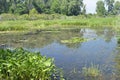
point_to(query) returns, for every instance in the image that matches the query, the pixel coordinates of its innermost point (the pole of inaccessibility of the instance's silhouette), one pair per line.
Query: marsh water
(101, 49)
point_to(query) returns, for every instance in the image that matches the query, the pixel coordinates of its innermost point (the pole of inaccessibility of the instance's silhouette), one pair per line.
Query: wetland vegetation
(73, 59)
(67, 40)
(21, 64)
(93, 72)
(74, 40)
(57, 24)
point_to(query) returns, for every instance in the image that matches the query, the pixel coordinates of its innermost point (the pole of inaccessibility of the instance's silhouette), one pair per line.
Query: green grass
(56, 24)
(20, 64)
(90, 22)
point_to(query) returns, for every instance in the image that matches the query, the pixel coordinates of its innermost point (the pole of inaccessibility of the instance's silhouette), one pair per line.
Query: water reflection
(99, 50)
(45, 38)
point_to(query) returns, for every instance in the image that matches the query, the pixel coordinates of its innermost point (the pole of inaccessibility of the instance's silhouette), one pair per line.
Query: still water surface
(101, 49)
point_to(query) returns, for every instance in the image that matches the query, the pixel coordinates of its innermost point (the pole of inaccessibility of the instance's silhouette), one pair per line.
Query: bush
(4, 17)
(20, 64)
(118, 40)
(33, 11)
(24, 17)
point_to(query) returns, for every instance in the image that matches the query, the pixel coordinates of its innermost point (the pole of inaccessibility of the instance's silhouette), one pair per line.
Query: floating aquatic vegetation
(74, 40)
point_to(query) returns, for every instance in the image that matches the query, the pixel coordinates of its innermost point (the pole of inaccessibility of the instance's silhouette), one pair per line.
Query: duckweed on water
(74, 40)
(20, 64)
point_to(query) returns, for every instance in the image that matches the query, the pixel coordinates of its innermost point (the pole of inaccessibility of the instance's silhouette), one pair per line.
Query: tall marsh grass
(53, 21)
(92, 73)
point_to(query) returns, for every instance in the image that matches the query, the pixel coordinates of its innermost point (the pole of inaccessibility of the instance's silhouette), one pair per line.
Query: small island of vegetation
(74, 40)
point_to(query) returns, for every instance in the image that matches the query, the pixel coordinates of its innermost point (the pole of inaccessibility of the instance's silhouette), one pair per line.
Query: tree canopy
(100, 9)
(66, 7)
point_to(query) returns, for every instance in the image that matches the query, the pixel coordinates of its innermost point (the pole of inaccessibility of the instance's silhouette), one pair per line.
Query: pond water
(101, 49)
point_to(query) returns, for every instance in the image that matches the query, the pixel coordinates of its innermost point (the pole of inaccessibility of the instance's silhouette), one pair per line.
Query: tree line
(108, 7)
(66, 7)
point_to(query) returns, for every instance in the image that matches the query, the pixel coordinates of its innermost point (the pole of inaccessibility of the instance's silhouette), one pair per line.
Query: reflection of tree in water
(107, 34)
(45, 38)
(71, 34)
(37, 40)
(77, 45)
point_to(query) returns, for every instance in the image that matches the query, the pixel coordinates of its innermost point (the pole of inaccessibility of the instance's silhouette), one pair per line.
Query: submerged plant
(74, 40)
(92, 71)
(20, 64)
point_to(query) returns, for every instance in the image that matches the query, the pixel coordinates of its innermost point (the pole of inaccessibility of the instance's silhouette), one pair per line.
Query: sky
(91, 5)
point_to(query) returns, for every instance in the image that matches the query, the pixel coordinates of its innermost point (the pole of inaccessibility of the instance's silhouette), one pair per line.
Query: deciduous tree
(100, 9)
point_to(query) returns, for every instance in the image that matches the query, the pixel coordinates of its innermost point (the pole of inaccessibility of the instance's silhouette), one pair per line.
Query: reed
(55, 23)
(92, 71)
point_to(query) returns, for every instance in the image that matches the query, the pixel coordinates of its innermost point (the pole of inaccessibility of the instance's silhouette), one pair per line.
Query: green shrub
(118, 40)
(5, 17)
(33, 11)
(20, 64)
(24, 17)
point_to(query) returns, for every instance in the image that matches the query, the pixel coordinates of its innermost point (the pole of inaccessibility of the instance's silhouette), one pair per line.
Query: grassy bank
(57, 24)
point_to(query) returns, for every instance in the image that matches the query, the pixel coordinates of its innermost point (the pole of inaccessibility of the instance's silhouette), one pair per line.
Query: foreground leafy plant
(20, 64)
